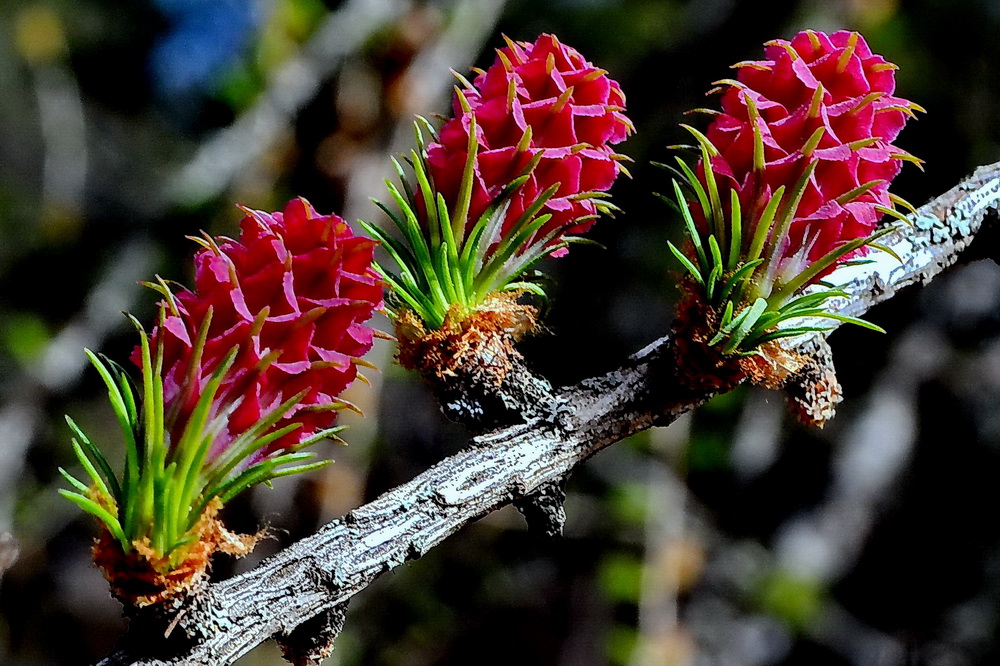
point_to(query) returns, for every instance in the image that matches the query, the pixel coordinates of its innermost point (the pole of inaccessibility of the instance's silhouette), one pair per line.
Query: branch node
(310, 643)
(415, 550)
(813, 393)
(544, 510)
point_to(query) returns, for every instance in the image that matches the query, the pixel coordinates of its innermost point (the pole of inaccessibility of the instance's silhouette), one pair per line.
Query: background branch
(219, 160)
(325, 570)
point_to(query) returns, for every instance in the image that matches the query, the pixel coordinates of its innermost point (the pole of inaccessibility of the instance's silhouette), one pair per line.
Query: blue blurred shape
(204, 38)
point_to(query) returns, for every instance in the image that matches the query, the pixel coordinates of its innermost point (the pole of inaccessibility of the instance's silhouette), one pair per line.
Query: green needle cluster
(735, 260)
(442, 262)
(166, 486)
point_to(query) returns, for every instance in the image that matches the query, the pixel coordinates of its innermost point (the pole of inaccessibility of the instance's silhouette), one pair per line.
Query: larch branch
(324, 571)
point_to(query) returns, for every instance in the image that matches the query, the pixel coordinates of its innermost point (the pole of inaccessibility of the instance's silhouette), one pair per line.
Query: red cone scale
(814, 81)
(540, 100)
(293, 294)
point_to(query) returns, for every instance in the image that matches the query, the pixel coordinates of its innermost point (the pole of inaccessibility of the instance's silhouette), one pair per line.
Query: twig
(324, 570)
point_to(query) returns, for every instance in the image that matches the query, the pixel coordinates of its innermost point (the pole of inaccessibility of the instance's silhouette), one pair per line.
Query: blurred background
(732, 537)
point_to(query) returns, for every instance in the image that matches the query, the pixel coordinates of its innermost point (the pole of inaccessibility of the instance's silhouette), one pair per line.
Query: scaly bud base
(808, 379)
(480, 343)
(471, 365)
(141, 578)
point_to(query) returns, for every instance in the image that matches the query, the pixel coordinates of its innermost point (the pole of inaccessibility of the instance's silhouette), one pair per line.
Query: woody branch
(324, 571)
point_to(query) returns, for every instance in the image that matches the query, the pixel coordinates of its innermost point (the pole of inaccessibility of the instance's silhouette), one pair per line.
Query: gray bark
(324, 571)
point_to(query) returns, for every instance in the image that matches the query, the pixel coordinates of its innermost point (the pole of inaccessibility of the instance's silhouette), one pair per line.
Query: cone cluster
(539, 101)
(292, 294)
(817, 98)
